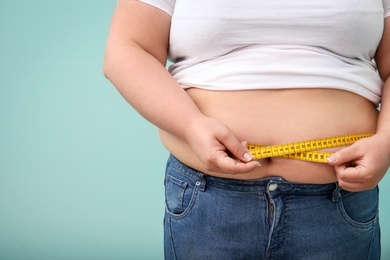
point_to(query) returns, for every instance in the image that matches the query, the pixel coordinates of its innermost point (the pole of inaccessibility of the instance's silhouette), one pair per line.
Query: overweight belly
(269, 117)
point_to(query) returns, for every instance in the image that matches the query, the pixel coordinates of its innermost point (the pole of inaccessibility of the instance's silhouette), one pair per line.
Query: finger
(355, 174)
(239, 167)
(232, 166)
(237, 149)
(352, 187)
(343, 156)
(343, 180)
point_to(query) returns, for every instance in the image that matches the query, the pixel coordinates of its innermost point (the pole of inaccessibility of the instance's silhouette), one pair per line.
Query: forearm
(383, 127)
(383, 62)
(145, 83)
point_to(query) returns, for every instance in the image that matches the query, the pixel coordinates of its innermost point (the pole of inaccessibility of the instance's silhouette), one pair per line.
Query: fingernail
(331, 159)
(248, 156)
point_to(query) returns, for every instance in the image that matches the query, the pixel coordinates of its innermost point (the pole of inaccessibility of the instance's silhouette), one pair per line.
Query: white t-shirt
(279, 44)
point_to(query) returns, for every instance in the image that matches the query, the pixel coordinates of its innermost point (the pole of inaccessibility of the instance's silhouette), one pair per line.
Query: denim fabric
(215, 218)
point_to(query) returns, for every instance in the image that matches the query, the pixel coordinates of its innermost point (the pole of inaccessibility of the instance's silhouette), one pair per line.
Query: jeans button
(272, 186)
(198, 183)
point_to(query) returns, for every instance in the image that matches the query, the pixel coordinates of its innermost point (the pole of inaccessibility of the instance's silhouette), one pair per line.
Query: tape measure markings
(306, 150)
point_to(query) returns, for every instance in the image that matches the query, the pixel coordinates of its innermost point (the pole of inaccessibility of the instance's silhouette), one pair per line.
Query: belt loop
(201, 183)
(336, 193)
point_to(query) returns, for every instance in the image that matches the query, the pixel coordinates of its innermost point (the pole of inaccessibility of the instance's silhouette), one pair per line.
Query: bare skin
(208, 130)
(270, 117)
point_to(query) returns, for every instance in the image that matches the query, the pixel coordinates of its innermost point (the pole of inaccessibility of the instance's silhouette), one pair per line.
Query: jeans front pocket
(179, 196)
(360, 209)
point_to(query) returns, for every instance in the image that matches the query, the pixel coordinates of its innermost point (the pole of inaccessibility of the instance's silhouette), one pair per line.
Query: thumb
(246, 156)
(343, 156)
(239, 150)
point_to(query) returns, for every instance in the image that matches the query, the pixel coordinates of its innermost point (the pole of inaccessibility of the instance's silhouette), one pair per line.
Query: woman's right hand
(136, 53)
(217, 148)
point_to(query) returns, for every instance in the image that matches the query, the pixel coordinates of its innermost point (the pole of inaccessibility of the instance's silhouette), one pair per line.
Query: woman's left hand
(362, 165)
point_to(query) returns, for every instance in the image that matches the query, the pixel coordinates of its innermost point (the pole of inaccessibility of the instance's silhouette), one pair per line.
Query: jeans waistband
(269, 184)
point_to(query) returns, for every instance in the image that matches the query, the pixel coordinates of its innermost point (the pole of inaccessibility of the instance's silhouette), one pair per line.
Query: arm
(370, 157)
(135, 60)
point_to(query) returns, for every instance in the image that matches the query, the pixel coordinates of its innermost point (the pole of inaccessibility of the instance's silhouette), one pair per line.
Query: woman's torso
(278, 72)
(270, 117)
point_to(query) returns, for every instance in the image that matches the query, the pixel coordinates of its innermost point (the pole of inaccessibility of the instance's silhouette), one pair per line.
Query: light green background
(81, 174)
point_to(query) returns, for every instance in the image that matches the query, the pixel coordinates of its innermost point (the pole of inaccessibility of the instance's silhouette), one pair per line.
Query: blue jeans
(216, 218)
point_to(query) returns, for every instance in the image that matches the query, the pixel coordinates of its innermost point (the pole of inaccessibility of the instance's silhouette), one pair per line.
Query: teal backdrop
(81, 173)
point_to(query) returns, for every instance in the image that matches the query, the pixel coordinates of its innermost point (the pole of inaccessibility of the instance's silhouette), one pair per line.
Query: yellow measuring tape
(306, 150)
